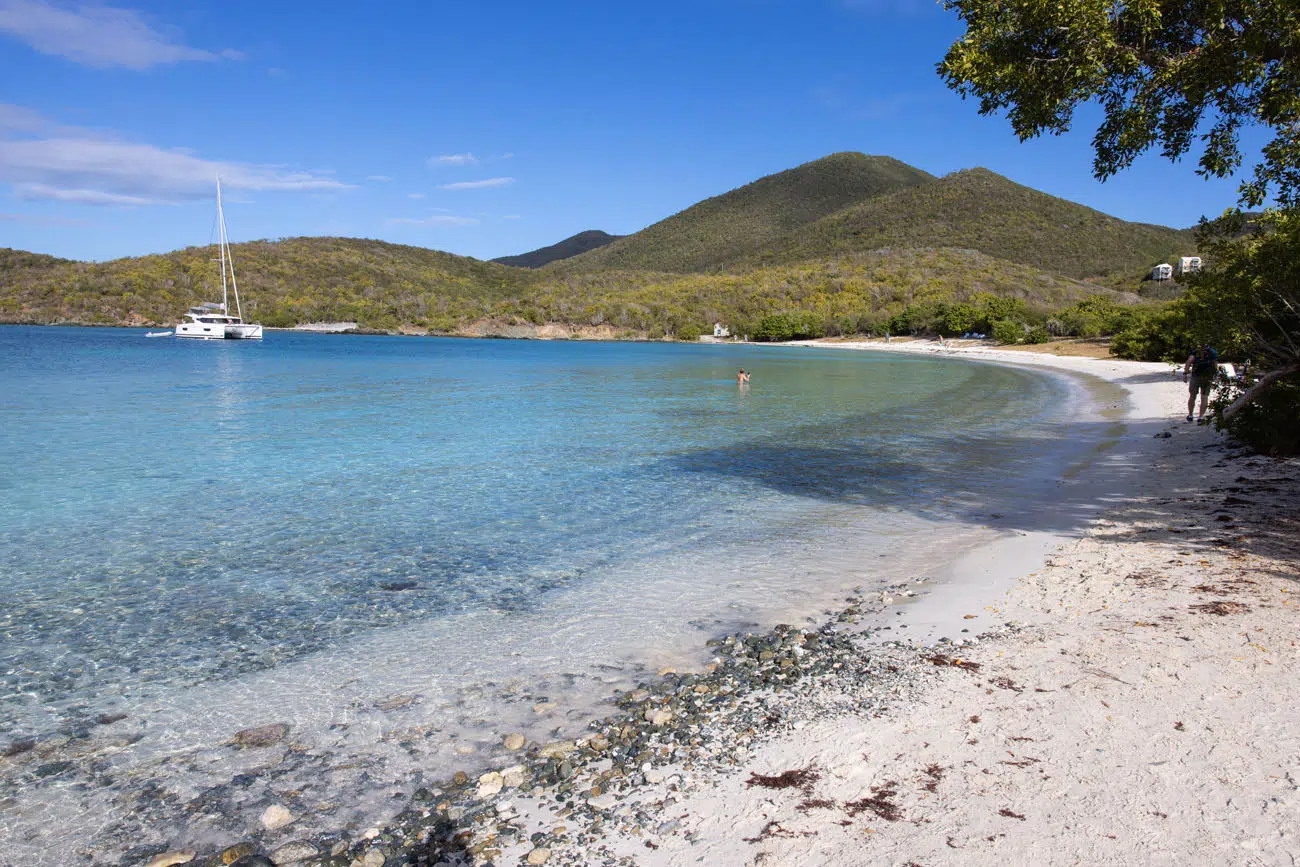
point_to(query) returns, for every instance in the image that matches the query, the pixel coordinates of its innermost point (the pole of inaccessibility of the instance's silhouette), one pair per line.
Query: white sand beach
(1136, 708)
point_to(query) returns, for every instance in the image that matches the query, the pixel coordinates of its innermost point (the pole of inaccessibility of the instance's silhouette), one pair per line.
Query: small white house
(1189, 265)
(720, 330)
(1162, 272)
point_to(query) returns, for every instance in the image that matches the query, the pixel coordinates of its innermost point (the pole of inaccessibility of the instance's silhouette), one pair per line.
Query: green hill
(849, 241)
(566, 249)
(744, 221)
(979, 210)
(283, 282)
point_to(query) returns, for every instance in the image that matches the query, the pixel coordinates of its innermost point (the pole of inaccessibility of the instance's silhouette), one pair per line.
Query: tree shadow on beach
(974, 480)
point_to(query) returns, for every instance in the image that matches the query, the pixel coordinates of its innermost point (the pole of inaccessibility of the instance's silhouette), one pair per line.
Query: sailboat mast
(221, 247)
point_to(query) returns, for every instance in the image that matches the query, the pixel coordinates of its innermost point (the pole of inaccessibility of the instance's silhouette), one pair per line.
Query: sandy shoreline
(1134, 709)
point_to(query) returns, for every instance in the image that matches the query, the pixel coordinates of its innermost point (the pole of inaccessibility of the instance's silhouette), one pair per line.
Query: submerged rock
(291, 852)
(261, 736)
(276, 816)
(237, 851)
(254, 861)
(514, 741)
(168, 859)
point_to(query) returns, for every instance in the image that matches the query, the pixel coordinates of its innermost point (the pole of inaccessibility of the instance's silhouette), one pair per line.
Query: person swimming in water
(742, 378)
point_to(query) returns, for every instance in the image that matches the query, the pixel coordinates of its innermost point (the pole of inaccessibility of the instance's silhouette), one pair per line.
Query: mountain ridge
(572, 246)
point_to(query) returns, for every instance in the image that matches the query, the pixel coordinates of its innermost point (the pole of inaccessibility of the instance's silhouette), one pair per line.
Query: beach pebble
(276, 816)
(291, 852)
(512, 777)
(658, 716)
(261, 736)
(556, 750)
(374, 858)
(254, 861)
(539, 856)
(167, 859)
(514, 741)
(240, 850)
(489, 784)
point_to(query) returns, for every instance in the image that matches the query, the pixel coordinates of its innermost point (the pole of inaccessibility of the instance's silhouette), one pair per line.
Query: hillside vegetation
(846, 244)
(566, 249)
(980, 210)
(747, 220)
(281, 283)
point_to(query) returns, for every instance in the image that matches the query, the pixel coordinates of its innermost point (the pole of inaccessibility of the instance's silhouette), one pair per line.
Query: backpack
(1204, 367)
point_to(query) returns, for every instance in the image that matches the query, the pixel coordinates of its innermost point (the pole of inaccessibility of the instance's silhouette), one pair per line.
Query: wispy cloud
(415, 195)
(512, 217)
(81, 197)
(72, 165)
(98, 36)
(478, 185)
(380, 179)
(454, 160)
(42, 220)
(435, 220)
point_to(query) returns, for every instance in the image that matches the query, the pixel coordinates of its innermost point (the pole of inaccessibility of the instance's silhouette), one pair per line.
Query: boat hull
(219, 331)
(246, 331)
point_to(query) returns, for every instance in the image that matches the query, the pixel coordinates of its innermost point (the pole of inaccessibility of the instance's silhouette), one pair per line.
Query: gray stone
(291, 852)
(262, 736)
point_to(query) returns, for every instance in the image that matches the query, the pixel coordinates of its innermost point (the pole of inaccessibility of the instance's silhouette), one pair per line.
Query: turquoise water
(180, 512)
(405, 547)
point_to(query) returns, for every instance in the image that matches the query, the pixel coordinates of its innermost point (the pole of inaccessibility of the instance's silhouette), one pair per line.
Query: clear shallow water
(189, 526)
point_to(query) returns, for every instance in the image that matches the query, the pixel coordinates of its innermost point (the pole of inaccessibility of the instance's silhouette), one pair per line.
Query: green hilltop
(980, 210)
(744, 221)
(849, 243)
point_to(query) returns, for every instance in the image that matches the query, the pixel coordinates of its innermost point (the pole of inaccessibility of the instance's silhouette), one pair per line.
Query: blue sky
(483, 128)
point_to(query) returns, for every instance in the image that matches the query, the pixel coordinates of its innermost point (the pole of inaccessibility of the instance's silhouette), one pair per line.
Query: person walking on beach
(1199, 373)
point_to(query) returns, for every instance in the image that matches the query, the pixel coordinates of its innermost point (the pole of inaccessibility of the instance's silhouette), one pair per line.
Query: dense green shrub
(1268, 423)
(690, 333)
(1037, 334)
(1008, 332)
(1155, 335)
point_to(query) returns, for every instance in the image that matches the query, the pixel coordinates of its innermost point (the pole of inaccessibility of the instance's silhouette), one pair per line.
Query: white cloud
(415, 195)
(81, 197)
(98, 36)
(17, 118)
(478, 185)
(40, 220)
(381, 179)
(436, 220)
(512, 217)
(75, 165)
(454, 160)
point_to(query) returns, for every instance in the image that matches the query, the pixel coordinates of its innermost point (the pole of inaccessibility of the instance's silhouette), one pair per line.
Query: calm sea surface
(183, 518)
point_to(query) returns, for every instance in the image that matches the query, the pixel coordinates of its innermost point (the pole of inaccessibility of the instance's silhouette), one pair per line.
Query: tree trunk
(1264, 383)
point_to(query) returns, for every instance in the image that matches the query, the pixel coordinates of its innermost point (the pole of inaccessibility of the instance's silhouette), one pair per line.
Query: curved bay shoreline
(760, 757)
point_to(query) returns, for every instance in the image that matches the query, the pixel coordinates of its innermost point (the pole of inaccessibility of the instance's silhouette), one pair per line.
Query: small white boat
(159, 334)
(212, 321)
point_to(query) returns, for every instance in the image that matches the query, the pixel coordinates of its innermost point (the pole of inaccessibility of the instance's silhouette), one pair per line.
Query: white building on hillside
(1189, 265)
(720, 330)
(1162, 272)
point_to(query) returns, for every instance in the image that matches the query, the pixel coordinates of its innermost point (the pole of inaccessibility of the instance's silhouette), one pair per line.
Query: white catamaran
(212, 321)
